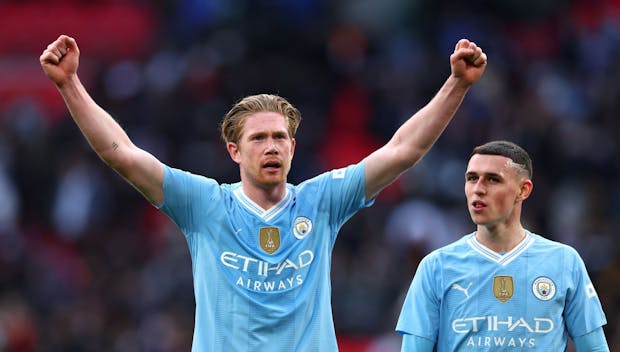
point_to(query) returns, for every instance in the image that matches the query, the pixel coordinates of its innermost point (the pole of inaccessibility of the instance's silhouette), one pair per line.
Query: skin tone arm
(60, 61)
(416, 136)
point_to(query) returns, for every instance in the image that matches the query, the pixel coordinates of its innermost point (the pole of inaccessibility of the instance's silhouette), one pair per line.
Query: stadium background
(87, 265)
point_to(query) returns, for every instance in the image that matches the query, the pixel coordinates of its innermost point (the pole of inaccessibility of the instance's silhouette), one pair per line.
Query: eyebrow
(267, 133)
(487, 174)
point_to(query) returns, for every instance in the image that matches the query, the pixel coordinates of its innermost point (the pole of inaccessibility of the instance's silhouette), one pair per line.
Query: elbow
(406, 154)
(408, 157)
(118, 159)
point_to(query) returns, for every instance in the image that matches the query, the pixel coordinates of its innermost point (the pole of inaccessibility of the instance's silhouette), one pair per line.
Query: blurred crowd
(86, 264)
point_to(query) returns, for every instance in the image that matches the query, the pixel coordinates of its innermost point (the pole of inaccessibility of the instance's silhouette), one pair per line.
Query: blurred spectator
(77, 202)
(9, 200)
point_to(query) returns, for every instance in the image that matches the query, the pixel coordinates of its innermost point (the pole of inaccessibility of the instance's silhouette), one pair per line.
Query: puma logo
(461, 288)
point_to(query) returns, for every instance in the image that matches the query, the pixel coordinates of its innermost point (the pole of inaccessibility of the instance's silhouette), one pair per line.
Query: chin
(273, 182)
(478, 220)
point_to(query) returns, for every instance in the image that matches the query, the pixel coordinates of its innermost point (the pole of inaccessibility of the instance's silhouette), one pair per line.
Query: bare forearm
(417, 135)
(414, 138)
(60, 61)
(102, 132)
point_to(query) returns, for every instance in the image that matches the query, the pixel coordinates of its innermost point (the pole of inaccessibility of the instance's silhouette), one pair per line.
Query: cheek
(506, 198)
(468, 191)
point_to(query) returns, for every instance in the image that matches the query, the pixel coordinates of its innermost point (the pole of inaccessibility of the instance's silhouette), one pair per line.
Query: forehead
(264, 121)
(489, 164)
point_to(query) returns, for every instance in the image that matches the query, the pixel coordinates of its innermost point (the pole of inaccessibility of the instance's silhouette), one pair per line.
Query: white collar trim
(268, 214)
(502, 259)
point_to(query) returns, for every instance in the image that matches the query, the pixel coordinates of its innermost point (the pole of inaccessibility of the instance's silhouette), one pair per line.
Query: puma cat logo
(461, 288)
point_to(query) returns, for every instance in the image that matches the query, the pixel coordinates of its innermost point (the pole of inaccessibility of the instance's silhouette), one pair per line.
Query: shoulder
(340, 175)
(172, 174)
(548, 244)
(184, 185)
(554, 248)
(457, 248)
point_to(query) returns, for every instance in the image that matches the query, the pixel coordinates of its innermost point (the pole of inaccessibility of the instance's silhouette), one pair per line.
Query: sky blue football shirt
(262, 277)
(469, 298)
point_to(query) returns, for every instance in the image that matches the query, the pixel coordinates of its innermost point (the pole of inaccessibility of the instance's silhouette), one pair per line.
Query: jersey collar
(252, 207)
(505, 258)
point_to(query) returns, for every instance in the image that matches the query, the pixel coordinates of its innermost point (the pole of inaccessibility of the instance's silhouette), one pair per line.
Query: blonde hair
(232, 124)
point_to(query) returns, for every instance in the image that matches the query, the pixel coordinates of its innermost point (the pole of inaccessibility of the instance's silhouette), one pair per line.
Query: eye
(471, 177)
(494, 180)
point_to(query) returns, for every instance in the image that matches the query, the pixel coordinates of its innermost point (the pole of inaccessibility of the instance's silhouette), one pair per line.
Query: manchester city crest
(302, 227)
(543, 288)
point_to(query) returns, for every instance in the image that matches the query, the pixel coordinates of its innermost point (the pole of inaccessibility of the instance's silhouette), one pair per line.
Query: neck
(265, 197)
(500, 240)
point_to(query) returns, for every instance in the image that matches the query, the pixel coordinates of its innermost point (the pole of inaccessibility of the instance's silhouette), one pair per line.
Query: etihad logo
(269, 239)
(508, 324)
(491, 331)
(261, 276)
(503, 288)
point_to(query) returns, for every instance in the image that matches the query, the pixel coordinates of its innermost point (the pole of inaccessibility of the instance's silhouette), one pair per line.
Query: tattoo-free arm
(415, 137)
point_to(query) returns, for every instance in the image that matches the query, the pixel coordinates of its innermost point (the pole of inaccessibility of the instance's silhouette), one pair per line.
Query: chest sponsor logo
(503, 288)
(301, 227)
(493, 332)
(543, 288)
(261, 276)
(269, 239)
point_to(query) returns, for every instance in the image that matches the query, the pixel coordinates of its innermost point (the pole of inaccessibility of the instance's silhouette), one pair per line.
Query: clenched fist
(60, 60)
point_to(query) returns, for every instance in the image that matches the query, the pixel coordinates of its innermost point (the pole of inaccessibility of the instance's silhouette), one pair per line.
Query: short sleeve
(420, 312)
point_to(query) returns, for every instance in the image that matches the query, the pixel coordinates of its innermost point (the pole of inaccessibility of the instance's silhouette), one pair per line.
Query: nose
(478, 187)
(271, 146)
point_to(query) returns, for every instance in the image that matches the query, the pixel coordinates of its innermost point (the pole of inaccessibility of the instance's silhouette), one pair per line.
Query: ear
(234, 152)
(293, 143)
(526, 189)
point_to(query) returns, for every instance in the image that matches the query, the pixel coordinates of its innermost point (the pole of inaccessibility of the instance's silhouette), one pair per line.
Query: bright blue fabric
(274, 296)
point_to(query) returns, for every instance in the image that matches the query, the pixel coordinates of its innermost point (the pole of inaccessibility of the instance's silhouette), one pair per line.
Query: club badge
(301, 227)
(543, 288)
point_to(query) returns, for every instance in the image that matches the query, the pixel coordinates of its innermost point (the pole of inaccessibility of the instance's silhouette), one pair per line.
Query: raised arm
(60, 61)
(416, 136)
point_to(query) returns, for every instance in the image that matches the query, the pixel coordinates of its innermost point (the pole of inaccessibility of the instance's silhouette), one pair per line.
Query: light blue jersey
(262, 277)
(468, 298)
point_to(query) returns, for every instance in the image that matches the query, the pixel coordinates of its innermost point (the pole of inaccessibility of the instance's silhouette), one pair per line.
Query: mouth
(272, 165)
(478, 205)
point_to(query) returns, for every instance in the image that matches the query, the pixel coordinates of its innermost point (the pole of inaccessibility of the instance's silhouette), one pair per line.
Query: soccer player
(261, 248)
(502, 287)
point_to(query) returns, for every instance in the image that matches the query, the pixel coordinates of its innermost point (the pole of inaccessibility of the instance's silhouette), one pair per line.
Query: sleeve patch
(338, 174)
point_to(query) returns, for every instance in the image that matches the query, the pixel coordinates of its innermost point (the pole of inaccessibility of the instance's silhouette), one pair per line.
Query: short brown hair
(232, 123)
(510, 150)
